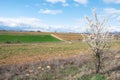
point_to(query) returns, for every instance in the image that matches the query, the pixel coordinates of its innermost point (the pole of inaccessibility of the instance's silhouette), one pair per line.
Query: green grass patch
(92, 77)
(26, 38)
(69, 70)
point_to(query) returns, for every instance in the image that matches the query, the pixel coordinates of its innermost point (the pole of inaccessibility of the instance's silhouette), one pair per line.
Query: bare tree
(98, 39)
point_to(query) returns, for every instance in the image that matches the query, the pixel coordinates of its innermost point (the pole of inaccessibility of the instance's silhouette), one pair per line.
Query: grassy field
(9, 53)
(51, 60)
(64, 36)
(28, 47)
(54, 60)
(69, 36)
(8, 38)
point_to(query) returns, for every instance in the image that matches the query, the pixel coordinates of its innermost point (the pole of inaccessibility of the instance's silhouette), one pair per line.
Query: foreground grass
(24, 52)
(79, 67)
(55, 69)
(15, 53)
(54, 61)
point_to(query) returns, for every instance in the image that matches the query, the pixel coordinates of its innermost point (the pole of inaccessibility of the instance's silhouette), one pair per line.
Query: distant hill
(11, 28)
(115, 32)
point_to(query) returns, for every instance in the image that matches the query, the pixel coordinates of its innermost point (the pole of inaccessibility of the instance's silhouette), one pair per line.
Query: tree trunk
(98, 63)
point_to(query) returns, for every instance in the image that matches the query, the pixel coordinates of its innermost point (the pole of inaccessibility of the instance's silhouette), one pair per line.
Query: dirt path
(57, 37)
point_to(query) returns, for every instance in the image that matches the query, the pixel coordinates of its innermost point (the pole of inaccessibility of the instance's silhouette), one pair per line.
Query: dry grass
(69, 36)
(44, 70)
(15, 53)
(77, 67)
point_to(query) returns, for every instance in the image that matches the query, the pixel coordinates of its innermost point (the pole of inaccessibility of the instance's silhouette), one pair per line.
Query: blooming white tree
(98, 39)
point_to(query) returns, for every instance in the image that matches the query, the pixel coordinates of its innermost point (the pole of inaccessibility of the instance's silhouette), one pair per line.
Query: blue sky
(56, 15)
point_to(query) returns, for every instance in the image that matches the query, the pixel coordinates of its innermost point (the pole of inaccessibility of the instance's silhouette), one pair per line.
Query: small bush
(85, 77)
(92, 77)
(98, 77)
(8, 42)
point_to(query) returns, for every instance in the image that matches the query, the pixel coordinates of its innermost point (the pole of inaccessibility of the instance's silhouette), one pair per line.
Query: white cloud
(111, 11)
(56, 1)
(112, 25)
(65, 4)
(65, 1)
(48, 11)
(113, 16)
(32, 24)
(81, 1)
(114, 28)
(22, 21)
(112, 1)
(118, 18)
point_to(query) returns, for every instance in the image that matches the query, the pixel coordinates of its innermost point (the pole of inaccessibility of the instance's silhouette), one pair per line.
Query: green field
(8, 38)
